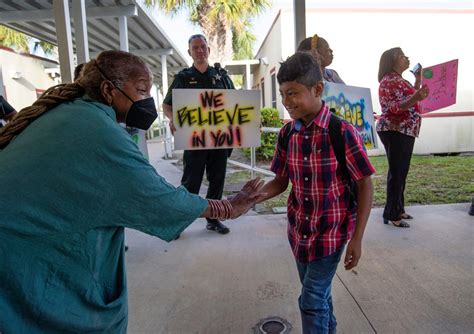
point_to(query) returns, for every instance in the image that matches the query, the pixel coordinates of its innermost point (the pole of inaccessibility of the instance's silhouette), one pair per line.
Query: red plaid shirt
(393, 91)
(319, 218)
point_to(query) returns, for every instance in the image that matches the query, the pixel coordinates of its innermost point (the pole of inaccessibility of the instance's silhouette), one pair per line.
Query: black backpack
(337, 143)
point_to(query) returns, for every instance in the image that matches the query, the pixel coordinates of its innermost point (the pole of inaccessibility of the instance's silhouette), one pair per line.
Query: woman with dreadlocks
(71, 179)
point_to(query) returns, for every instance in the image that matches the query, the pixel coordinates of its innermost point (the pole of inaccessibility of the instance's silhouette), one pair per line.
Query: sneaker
(218, 227)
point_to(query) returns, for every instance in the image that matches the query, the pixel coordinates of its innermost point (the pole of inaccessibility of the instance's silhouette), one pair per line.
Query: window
(274, 92)
(263, 93)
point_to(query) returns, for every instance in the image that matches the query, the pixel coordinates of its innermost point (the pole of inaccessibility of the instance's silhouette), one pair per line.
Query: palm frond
(235, 14)
(14, 39)
(47, 48)
(172, 6)
(242, 43)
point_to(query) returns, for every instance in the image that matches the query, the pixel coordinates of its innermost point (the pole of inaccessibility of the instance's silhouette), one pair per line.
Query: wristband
(220, 209)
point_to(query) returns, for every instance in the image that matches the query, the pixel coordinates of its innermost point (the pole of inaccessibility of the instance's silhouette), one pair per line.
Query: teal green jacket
(69, 184)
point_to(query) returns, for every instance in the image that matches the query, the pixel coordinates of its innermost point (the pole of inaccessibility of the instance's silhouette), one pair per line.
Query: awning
(111, 24)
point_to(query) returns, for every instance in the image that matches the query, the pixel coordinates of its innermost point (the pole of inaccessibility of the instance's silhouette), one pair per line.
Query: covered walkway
(83, 28)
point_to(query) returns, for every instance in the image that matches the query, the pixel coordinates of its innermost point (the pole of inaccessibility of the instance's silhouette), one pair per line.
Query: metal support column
(156, 88)
(253, 155)
(164, 74)
(248, 82)
(2, 85)
(299, 10)
(140, 134)
(123, 31)
(64, 38)
(164, 84)
(80, 31)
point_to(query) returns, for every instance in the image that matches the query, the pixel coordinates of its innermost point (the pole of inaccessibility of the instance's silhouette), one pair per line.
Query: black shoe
(396, 223)
(218, 227)
(126, 247)
(177, 237)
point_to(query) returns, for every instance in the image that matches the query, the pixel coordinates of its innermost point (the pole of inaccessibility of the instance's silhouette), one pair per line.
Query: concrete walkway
(416, 280)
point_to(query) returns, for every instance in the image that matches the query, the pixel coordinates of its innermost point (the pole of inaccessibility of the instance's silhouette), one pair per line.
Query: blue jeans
(315, 301)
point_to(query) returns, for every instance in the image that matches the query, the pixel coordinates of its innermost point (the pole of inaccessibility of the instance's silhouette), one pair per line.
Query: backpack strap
(287, 132)
(338, 143)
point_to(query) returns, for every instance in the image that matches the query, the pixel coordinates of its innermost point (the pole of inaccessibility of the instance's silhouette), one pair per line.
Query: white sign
(354, 104)
(216, 118)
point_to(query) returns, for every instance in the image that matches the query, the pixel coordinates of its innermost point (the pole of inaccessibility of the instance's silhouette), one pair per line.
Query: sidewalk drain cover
(272, 325)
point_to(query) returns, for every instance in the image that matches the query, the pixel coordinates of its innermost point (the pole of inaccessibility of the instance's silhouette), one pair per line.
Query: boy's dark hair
(301, 67)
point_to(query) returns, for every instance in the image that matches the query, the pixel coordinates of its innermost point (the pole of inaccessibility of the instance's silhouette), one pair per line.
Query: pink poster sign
(442, 81)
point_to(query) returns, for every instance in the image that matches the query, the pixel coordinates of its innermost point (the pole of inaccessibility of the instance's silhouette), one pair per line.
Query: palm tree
(13, 39)
(19, 41)
(225, 23)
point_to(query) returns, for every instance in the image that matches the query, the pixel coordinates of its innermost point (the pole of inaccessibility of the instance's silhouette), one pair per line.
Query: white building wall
(425, 36)
(272, 51)
(445, 135)
(359, 36)
(22, 75)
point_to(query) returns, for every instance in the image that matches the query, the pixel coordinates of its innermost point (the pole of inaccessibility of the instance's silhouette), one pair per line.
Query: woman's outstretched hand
(246, 197)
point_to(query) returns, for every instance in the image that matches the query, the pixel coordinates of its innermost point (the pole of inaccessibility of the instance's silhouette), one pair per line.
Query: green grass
(431, 180)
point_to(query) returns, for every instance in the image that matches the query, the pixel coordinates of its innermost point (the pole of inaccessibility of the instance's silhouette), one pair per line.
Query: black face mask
(141, 114)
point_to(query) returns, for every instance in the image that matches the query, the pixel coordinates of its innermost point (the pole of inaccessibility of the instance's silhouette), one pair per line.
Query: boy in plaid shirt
(322, 216)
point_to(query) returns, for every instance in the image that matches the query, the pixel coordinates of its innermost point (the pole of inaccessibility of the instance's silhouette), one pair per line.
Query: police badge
(215, 77)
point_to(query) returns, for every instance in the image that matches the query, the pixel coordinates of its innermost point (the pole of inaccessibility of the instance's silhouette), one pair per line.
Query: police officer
(201, 75)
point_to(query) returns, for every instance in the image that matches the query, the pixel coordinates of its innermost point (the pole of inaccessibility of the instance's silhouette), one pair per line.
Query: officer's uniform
(196, 161)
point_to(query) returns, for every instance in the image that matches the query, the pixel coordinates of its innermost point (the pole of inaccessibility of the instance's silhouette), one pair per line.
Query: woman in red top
(397, 127)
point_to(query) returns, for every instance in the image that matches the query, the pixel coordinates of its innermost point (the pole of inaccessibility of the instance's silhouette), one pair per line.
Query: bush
(270, 119)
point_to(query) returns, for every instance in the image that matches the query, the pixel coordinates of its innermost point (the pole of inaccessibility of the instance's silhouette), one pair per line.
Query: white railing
(253, 160)
(168, 142)
(161, 131)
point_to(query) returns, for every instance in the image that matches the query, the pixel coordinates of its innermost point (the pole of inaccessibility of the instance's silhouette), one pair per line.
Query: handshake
(237, 205)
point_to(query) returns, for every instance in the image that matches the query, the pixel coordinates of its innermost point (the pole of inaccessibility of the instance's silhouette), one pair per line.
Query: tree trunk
(218, 34)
